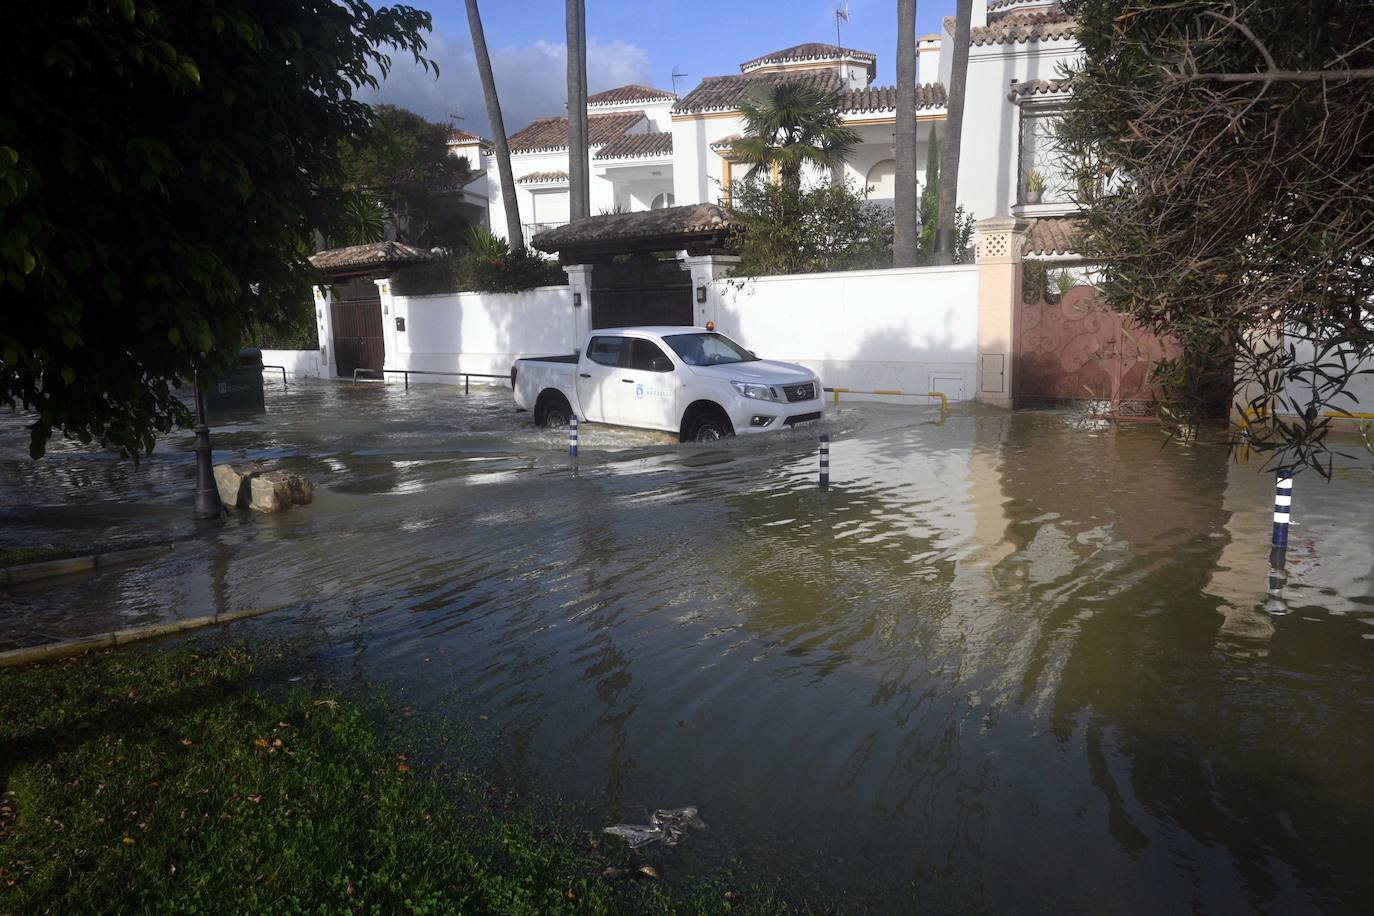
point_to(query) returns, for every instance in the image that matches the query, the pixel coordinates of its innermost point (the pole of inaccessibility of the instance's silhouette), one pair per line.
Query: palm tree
(579, 171)
(791, 124)
(904, 194)
(514, 233)
(954, 124)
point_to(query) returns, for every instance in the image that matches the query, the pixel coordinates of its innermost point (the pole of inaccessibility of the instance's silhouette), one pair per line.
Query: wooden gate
(640, 289)
(1077, 349)
(356, 314)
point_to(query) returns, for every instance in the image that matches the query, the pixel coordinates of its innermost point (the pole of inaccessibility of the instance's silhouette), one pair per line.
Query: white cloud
(530, 79)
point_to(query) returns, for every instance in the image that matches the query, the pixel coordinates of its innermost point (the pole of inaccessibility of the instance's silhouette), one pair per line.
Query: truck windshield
(707, 349)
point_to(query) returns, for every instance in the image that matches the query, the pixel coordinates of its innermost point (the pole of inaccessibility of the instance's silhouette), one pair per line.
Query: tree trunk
(904, 197)
(514, 233)
(954, 129)
(579, 200)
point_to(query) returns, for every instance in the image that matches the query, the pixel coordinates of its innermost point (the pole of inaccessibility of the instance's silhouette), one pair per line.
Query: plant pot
(1033, 197)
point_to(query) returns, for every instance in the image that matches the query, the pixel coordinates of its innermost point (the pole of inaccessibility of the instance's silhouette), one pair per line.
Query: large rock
(273, 491)
(261, 489)
(233, 486)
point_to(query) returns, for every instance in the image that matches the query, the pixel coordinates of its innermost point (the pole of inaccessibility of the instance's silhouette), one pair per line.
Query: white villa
(650, 149)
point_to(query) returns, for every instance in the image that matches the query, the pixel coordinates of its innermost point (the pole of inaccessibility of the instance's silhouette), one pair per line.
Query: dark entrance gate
(356, 314)
(640, 289)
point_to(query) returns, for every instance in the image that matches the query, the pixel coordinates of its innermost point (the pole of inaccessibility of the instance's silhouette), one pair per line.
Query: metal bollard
(825, 461)
(1278, 551)
(572, 437)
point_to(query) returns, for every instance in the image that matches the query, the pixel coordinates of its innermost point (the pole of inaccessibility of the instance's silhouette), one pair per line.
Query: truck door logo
(639, 391)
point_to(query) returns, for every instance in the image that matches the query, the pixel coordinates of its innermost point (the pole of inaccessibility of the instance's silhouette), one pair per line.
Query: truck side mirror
(660, 364)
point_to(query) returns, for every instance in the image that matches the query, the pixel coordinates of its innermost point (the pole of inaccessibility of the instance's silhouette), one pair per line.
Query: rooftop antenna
(677, 75)
(454, 117)
(841, 15)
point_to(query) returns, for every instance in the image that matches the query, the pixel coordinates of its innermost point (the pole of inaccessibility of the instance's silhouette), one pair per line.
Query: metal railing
(944, 398)
(407, 373)
(283, 372)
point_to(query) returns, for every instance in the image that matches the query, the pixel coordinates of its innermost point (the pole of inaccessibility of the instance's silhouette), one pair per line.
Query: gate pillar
(999, 304)
(324, 325)
(580, 280)
(705, 270)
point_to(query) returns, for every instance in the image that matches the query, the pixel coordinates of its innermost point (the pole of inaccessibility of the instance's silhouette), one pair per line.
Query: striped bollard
(572, 437)
(1278, 551)
(825, 461)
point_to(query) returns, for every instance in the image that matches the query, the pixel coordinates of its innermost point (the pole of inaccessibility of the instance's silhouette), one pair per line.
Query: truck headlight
(757, 392)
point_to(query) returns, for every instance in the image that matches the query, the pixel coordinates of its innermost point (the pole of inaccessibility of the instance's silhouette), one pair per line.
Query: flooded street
(1007, 663)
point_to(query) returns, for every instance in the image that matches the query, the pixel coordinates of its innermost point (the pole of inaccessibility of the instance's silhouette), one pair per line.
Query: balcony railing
(533, 229)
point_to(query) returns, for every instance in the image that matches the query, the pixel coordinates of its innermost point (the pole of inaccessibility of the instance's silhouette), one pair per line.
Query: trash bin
(241, 387)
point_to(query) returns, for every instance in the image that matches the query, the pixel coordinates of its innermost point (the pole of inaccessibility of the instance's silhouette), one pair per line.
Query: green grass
(15, 556)
(147, 781)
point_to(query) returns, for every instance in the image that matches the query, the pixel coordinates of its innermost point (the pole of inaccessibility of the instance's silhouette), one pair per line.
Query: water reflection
(1005, 659)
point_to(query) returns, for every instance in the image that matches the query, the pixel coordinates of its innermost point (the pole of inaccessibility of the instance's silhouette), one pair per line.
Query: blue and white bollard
(825, 462)
(572, 437)
(1278, 551)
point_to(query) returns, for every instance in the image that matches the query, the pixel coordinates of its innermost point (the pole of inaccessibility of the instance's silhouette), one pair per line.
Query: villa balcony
(533, 229)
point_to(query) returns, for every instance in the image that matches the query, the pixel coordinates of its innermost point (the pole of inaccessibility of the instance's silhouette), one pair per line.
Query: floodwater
(1009, 663)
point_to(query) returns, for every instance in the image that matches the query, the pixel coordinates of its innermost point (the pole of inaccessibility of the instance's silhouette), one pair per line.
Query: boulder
(233, 486)
(260, 489)
(272, 491)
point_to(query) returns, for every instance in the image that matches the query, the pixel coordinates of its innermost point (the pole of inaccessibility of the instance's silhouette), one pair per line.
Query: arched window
(882, 180)
(663, 200)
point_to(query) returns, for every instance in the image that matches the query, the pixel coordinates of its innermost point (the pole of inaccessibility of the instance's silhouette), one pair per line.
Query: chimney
(928, 59)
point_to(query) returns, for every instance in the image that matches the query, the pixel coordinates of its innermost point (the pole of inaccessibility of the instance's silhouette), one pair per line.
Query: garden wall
(298, 363)
(478, 332)
(912, 329)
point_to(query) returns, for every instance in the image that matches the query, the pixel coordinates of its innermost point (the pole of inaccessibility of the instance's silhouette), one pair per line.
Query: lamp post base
(207, 493)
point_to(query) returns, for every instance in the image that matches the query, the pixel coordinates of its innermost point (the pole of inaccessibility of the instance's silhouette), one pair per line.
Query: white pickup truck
(690, 381)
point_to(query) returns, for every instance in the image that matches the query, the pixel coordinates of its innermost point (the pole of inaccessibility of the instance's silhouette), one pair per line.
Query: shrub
(785, 230)
(486, 265)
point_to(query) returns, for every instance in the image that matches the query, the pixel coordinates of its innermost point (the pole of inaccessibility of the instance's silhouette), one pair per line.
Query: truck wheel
(553, 413)
(708, 427)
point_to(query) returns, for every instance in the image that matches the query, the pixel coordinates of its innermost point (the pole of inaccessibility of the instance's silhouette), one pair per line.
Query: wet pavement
(1007, 663)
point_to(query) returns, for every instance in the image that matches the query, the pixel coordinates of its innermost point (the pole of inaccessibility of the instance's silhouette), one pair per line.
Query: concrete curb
(63, 648)
(30, 572)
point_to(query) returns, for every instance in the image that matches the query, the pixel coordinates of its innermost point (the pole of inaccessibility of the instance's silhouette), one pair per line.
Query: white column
(391, 358)
(580, 280)
(999, 305)
(324, 326)
(707, 270)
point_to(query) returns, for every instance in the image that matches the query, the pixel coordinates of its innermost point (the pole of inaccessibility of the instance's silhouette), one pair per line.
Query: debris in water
(667, 826)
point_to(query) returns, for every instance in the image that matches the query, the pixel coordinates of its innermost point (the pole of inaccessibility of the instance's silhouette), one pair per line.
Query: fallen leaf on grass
(402, 768)
(127, 841)
(260, 742)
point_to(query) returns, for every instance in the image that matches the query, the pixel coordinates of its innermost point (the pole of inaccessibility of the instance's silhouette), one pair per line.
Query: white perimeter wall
(912, 329)
(1361, 386)
(298, 363)
(479, 332)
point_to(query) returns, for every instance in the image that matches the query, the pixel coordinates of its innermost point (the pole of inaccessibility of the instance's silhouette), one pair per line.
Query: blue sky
(639, 42)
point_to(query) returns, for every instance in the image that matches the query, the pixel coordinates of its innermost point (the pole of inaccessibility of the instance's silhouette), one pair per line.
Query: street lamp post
(207, 493)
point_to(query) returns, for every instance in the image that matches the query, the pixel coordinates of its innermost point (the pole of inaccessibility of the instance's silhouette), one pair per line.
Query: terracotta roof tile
(458, 137)
(631, 93)
(609, 228)
(374, 254)
(724, 93)
(537, 177)
(811, 50)
(552, 133)
(1027, 88)
(726, 142)
(632, 145)
(1020, 27)
(1051, 235)
(884, 98)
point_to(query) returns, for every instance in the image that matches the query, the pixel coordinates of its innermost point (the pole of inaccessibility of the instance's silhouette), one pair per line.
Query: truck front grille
(804, 392)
